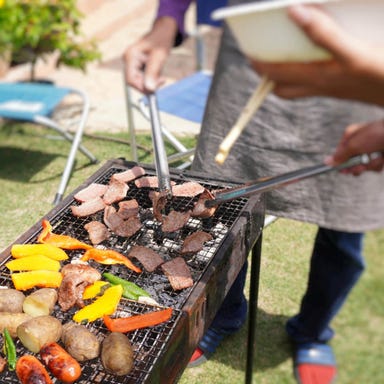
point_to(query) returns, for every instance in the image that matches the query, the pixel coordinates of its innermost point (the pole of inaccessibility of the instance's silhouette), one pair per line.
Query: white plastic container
(265, 32)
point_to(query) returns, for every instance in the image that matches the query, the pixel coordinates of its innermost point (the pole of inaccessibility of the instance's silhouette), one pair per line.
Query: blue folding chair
(35, 103)
(186, 98)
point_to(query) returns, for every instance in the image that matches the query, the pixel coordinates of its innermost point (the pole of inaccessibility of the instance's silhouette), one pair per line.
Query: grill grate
(149, 343)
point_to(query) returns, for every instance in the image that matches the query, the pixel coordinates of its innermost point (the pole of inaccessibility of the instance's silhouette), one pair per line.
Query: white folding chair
(35, 103)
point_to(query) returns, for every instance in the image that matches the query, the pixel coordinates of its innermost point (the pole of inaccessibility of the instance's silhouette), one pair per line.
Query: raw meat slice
(129, 175)
(149, 259)
(88, 193)
(178, 273)
(88, 207)
(188, 189)
(116, 191)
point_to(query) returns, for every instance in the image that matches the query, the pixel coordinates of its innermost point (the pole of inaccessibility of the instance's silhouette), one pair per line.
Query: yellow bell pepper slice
(91, 291)
(33, 263)
(44, 279)
(104, 305)
(48, 250)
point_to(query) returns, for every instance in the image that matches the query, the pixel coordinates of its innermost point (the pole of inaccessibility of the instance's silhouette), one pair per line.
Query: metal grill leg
(252, 311)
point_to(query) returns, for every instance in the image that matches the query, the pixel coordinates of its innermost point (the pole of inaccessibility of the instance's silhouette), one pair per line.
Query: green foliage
(35, 28)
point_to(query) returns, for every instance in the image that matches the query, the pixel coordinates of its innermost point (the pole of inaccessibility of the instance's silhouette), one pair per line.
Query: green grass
(30, 173)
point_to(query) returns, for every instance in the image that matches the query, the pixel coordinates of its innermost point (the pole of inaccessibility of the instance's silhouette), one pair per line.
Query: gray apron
(283, 136)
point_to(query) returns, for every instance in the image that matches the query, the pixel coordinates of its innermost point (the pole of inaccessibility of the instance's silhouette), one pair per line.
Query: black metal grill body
(162, 352)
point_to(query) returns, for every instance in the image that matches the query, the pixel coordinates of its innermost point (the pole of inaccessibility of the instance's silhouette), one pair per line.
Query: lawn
(30, 174)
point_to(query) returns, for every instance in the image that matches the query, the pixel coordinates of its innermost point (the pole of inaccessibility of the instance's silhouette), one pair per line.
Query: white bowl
(265, 32)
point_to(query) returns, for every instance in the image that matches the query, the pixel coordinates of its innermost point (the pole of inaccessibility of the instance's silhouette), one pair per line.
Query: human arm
(356, 70)
(145, 58)
(358, 139)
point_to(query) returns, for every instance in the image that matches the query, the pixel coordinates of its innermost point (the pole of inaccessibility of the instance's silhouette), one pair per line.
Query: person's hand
(356, 140)
(145, 59)
(356, 70)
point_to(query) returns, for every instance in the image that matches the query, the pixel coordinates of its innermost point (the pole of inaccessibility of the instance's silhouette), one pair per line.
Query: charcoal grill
(162, 352)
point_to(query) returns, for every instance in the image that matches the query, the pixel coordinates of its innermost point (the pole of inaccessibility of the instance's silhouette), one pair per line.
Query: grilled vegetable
(80, 343)
(117, 354)
(60, 363)
(95, 289)
(40, 302)
(29, 370)
(11, 300)
(38, 331)
(130, 290)
(27, 280)
(104, 305)
(61, 241)
(127, 324)
(109, 257)
(11, 321)
(48, 250)
(33, 263)
(10, 350)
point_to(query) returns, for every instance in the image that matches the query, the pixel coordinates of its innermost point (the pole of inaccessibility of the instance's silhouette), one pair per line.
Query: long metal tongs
(267, 184)
(161, 161)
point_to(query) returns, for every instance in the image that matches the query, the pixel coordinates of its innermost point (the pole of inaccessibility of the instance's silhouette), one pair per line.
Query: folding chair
(185, 98)
(35, 103)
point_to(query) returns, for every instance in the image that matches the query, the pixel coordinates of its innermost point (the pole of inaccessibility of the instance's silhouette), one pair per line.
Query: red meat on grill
(93, 190)
(149, 259)
(159, 201)
(178, 273)
(117, 225)
(97, 232)
(128, 208)
(194, 242)
(149, 182)
(175, 221)
(200, 210)
(116, 191)
(188, 189)
(89, 207)
(129, 175)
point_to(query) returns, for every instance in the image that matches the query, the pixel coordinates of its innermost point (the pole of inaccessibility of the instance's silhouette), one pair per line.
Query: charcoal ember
(128, 208)
(97, 232)
(178, 273)
(159, 201)
(90, 192)
(129, 174)
(200, 210)
(188, 189)
(149, 259)
(89, 207)
(175, 221)
(194, 242)
(116, 191)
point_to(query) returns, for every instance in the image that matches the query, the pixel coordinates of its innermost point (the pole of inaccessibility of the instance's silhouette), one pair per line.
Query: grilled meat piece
(149, 182)
(129, 175)
(75, 278)
(200, 210)
(93, 190)
(175, 221)
(178, 273)
(149, 259)
(117, 225)
(188, 189)
(97, 232)
(89, 207)
(194, 242)
(116, 191)
(128, 208)
(159, 201)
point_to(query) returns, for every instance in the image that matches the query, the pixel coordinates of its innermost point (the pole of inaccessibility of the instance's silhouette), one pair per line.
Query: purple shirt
(175, 9)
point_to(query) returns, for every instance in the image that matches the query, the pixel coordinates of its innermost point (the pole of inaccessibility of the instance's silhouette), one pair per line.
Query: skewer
(249, 110)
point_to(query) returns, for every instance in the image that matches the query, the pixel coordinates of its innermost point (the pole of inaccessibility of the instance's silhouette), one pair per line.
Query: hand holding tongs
(267, 184)
(161, 161)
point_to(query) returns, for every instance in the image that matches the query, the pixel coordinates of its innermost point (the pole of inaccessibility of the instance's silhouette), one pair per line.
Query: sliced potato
(11, 321)
(38, 331)
(11, 300)
(40, 302)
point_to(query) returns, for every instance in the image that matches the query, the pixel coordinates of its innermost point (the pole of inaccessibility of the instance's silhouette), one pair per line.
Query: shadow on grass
(272, 344)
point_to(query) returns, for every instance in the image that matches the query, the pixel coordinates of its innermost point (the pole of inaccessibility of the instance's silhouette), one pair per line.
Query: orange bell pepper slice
(109, 257)
(128, 324)
(61, 241)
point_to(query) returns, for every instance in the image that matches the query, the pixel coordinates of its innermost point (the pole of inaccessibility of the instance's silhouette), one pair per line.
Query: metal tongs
(267, 184)
(161, 161)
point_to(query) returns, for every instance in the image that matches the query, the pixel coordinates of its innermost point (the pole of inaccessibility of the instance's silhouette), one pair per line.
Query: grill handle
(161, 161)
(274, 182)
